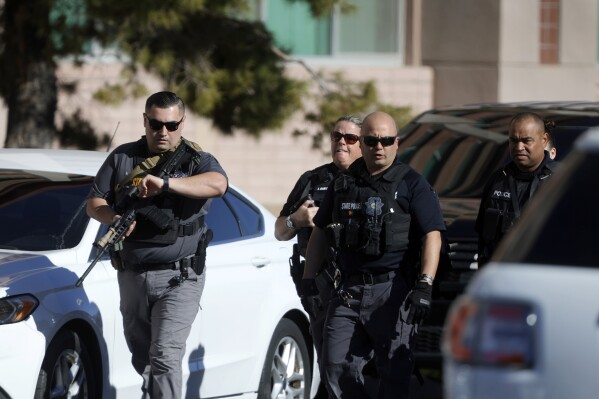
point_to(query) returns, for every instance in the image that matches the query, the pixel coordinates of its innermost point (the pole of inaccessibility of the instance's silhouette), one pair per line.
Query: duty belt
(370, 278)
(145, 267)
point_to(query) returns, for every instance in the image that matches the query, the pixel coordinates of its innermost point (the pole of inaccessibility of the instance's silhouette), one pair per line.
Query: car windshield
(457, 151)
(41, 211)
(562, 229)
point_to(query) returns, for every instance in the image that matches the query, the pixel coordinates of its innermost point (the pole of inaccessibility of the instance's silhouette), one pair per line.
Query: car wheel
(287, 370)
(66, 370)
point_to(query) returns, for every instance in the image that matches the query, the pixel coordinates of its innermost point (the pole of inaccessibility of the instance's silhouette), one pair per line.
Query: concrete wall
(489, 51)
(460, 41)
(523, 78)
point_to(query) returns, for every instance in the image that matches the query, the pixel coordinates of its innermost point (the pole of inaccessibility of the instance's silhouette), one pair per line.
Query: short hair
(550, 139)
(356, 120)
(536, 118)
(165, 99)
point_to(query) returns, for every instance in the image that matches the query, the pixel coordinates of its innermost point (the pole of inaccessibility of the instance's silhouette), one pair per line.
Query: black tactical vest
(158, 218)
(372, 220)
(317, 187)
(504, 204)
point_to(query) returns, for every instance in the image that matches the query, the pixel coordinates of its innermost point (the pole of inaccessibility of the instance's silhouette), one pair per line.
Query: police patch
(374, 206)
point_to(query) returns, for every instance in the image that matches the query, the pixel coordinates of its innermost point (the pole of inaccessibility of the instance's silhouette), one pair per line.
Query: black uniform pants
(318, 314)
(370, 322)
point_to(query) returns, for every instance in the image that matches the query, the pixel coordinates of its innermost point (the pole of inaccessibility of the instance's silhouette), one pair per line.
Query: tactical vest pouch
(155, 215)
(147, 232)
(509, 218)
(493, 222)
(373, 239)
(116, 261)
(352, 235)
(397, 230)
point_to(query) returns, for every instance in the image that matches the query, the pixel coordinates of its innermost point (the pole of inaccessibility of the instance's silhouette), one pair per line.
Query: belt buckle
(368, 278)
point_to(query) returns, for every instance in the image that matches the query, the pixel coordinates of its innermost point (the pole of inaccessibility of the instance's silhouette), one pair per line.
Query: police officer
(385, 220)
(301, 206)
(160, 277)
(510, 188)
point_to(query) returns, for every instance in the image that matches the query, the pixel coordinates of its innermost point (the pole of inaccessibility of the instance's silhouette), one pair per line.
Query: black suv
(456, 149)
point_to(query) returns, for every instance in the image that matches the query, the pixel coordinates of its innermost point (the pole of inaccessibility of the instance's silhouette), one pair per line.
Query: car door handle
(260, 261)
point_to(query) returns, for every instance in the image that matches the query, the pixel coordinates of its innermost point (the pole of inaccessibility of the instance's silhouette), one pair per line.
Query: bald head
(382, 120)
(378, 141)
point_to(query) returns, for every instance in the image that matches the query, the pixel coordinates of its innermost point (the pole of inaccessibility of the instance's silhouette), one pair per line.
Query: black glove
(308, 288)
(308, 292)
(419, 302)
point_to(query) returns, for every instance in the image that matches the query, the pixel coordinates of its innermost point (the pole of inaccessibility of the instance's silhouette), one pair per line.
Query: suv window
(569, 205)
(42, 211)
(233, 217)
(457, 150)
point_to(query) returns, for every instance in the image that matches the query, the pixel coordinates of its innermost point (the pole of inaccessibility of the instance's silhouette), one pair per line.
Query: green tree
(223, 66)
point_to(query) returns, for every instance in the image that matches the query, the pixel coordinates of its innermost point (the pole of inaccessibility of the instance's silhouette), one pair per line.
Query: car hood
(28, 273)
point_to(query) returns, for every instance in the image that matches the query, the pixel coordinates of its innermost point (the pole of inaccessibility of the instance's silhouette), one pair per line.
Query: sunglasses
(157, 125)
(372, 141)
(348, 137)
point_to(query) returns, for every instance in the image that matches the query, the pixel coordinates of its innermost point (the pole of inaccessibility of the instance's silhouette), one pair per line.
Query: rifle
(117, 230)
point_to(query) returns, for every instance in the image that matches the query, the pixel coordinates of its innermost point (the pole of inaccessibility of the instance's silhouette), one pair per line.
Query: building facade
(420, 53)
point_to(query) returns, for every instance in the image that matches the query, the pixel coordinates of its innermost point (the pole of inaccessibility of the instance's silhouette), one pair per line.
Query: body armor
(504, 203)
(158, 218)
(370, 219)
(317, 187)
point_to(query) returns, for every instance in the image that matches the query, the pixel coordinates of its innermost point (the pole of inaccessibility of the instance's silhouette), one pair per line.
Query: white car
(528, 324)
(250, 338)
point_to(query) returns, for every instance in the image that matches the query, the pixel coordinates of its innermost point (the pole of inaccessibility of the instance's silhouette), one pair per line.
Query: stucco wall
(460, 41)
(489, 51)
(523, 78)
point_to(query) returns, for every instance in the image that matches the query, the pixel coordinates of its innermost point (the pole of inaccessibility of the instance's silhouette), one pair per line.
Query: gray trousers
(157, 319)
(370, 323)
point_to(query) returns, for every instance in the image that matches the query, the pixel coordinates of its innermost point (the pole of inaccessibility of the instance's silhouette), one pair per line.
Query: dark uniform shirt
(413, 194)
(504, 196)
(314, 182)
(116, 167)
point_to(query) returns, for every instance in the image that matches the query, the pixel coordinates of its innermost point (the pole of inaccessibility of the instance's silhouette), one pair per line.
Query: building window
(374, 28)
(549, 35)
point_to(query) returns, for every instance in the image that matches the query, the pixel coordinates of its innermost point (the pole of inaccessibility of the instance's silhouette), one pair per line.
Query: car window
(457, 151)
(42, 211)
(456, 159)
(564, 226)
(232, 217)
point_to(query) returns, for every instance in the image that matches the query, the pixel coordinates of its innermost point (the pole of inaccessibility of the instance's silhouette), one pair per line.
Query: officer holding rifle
(296, 219)
(167, 182)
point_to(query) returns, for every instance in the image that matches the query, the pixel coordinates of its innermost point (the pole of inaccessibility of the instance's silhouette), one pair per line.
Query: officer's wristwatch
(165, 184)
(289, 223)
